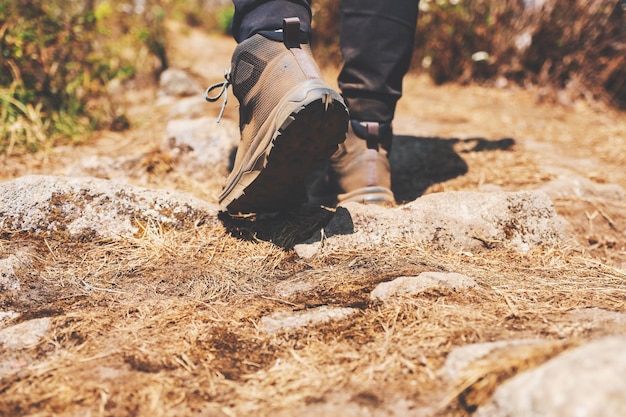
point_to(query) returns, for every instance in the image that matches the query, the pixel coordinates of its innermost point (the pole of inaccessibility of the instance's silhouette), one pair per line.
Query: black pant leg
(252, 16)
(377, 40)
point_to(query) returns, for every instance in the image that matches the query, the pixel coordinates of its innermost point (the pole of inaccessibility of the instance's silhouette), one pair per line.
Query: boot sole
(299, 136)
(368, 195)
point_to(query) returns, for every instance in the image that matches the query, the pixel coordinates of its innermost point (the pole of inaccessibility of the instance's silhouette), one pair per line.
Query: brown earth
(168, 323)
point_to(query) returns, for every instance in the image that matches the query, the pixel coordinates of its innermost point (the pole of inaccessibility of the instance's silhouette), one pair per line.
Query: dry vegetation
(168, 323)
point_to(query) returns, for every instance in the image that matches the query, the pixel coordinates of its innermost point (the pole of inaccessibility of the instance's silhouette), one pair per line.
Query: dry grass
(168, 323)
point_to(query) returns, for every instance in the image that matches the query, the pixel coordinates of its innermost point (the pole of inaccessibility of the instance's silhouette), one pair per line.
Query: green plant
(58, 58)
(22, 124)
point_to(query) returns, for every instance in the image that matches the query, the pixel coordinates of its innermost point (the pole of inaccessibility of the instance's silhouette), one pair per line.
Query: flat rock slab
(460, 358)
(587, 381)
(577, 187)
(176, 82)
(407, 286)
(290, 320)
(453, 221)
(25, 334)
(201, 145)
(87, 208)
(188, 108)
(290, 288)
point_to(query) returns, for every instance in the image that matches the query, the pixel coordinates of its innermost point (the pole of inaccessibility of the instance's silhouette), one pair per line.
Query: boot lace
(223, 86)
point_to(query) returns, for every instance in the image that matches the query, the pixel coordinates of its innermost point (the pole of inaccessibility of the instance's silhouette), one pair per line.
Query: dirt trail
(169, 323)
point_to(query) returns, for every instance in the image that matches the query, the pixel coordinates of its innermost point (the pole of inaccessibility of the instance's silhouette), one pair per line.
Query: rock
(585, 321)
(292, 320)
(98, 167)
(368, 403)
(86, 208)
(454, 221)
(597, 317)
(201, 144)
(188, 108)
(25, 334)
(461, 358)
(577, 187)
(587, 382)
(8, 279)
(176, 82)
(7, 315)
(406, 286)
(291, 288)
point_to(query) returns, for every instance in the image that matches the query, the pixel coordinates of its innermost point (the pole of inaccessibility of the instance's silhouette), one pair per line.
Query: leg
(290, 120)
(377, 39)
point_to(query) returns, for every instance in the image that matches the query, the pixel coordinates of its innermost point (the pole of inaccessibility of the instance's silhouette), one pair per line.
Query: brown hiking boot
(359, 170)
(291, 121)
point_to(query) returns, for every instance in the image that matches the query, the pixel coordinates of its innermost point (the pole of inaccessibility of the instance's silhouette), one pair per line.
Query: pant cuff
(269, 16)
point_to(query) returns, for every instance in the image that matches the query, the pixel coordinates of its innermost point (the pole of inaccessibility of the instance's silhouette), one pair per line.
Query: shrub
(57, 59)
(576, 47)
(211, 15)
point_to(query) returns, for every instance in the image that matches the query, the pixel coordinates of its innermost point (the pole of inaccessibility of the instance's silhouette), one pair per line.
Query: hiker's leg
(376, 38)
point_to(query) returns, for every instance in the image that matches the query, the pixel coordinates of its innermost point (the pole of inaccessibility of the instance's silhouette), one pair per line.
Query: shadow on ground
(283, 229)
(416, 164)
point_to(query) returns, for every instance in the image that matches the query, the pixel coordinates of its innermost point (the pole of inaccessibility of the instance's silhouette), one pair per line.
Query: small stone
(291, 288)
(188, 108)
(176, 82)
(407, 286)
(8, 279)
(7, 315)
(25, 334)
(290, 320)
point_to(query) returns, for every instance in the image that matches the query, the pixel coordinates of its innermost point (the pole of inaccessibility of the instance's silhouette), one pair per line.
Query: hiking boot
(291, 121)
(359, 170)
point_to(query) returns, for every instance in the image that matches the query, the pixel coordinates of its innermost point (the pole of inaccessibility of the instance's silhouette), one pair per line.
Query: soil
(169, 323)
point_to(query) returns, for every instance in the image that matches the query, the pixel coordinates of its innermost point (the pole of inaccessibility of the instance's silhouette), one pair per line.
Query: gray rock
(6, 316)
(585, 382)
(406, 286)
(462, 357)
(577, 187)
(8, 279)
(99, 167)
(25, 334)
(357, 404)
(453, 221)
(585, 321)
(176, 82)
(188, 108)
(289, 320)
(295, 287)
(201, 144)
(93, 208)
